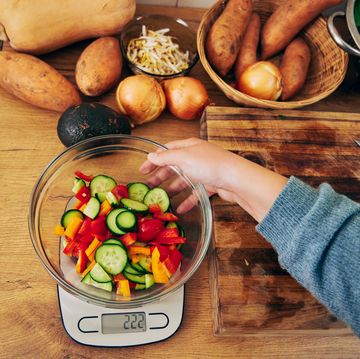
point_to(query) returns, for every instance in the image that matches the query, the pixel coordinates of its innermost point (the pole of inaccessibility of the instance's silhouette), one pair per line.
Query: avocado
(87, 120)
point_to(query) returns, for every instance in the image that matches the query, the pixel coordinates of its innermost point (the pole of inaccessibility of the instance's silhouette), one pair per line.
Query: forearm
(316, 235)
(255, 187)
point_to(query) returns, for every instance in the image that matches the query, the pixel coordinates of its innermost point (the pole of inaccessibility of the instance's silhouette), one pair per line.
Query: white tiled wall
(187, 3)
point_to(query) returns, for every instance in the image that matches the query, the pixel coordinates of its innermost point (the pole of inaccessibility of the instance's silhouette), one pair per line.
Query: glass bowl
(119, 156)
(179, 29)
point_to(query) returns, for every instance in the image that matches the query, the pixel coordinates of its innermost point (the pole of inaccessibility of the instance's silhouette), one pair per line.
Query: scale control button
(89, 324)
(162, 320)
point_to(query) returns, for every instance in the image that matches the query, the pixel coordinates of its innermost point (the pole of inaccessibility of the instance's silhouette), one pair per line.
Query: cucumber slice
(112, 257)
(111, 221)
(78, 184)
(112, 199)
(140, 286)
(69, 215)
(100, 185)
(149, 280)
(92, 208)
(89, 281)
(135, 278)
(158, 196)
(131, 270)
(132, 205)
(137, 191)
(114, 241)
(98, 274)
(139, 268)
(145, 263)
(126, 221)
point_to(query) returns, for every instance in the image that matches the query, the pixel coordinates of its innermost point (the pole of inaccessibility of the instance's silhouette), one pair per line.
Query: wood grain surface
(252, 294)
(30, 323)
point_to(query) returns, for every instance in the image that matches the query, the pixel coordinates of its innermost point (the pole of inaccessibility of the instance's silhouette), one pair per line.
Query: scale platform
(93, 325)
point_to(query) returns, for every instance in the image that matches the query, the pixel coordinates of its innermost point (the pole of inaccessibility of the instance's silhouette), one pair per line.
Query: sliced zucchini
(158, 196)
(98, 274)
(137, 191)
(78, 184)
(149, 280)
(112, 257)
(108, 286)
(140, 286)
(92, 208)
(145, 263)
(112, 199)
(69, 215)
(126, 220)
(133, 205)
(100, 185)
(131, 270)
(114, 241)
(111, 221)
(135, 278)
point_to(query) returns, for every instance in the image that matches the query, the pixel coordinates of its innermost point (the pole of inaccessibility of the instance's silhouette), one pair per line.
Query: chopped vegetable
(157, 53)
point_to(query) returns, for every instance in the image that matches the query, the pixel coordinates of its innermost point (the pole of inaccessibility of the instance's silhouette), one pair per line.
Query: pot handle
(337, 37)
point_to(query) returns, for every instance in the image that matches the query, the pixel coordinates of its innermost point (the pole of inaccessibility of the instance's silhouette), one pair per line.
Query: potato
(248, 51)
(225, 36)
(99, 66)
(294, 68)
(287, 20)
(36, 82)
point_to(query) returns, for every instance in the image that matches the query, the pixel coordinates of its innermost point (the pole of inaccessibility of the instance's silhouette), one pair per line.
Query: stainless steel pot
(350, 19)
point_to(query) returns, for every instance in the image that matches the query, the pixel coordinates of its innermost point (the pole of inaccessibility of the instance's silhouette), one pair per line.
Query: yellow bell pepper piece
(73, 227)
(59, 230)
(105, 208)
(91, 249)
(88, 269)
(159, 272)
(123, 288)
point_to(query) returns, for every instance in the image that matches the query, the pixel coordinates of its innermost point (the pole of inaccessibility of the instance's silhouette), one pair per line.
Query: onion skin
(262, 80)
(141, 98)
(186, 97)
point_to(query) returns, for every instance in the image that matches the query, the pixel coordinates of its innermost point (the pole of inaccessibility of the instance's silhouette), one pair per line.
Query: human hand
(201, 161)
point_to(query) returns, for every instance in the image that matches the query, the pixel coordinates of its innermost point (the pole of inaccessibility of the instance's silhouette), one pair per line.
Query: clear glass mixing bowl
(119, 156)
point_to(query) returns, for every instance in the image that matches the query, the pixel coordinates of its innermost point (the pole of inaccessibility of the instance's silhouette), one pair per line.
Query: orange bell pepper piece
(159, 272)
(139, 250)
(92, 248)
(123, 288)
(59, 230)
(105, 208)
(73, 227)
(88, 269)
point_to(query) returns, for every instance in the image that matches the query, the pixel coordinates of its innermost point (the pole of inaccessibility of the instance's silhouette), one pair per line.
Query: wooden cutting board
(251, 293)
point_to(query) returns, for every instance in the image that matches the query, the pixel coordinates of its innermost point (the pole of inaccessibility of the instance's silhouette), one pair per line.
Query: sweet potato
(36, 82)
(225, 36)
(247, 54)
(99, 66)
(294, 67)
(287, 20)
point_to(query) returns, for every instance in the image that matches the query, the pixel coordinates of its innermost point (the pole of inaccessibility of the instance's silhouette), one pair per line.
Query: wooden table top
(30, 325)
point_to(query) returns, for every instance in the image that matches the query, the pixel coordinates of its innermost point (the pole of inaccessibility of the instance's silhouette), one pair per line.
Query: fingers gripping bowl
(119, 156)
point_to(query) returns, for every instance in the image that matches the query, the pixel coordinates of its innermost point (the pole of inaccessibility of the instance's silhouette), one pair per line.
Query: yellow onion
(261, 80)
(186, 97)
(141, 98)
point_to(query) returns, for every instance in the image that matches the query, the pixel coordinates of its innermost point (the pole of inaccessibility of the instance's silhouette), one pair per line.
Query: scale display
(123, 323)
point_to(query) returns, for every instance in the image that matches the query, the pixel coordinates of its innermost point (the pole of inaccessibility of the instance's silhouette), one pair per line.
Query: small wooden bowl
(327, 69)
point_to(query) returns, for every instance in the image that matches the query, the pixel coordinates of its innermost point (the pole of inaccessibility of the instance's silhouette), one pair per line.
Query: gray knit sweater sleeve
(316, 233)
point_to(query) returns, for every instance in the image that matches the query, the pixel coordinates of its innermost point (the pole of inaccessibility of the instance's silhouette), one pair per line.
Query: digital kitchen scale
(93, 325)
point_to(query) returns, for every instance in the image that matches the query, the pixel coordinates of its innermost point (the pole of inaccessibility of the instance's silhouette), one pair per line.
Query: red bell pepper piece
(68, 250)
(149, 228)
(163, 250)
(99, 228)
(132, 284)
(81, 262)
(120, 191)
(154, 208)
(86, 238)
(173, 261)
(172, 240)
(86, 226)
(118, 277)
(83, 195)
(84, 177)
(128, 239)
(168, 233)
(166, 217)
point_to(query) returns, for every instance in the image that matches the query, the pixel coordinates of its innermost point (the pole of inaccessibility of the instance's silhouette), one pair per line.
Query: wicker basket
(328, 62)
